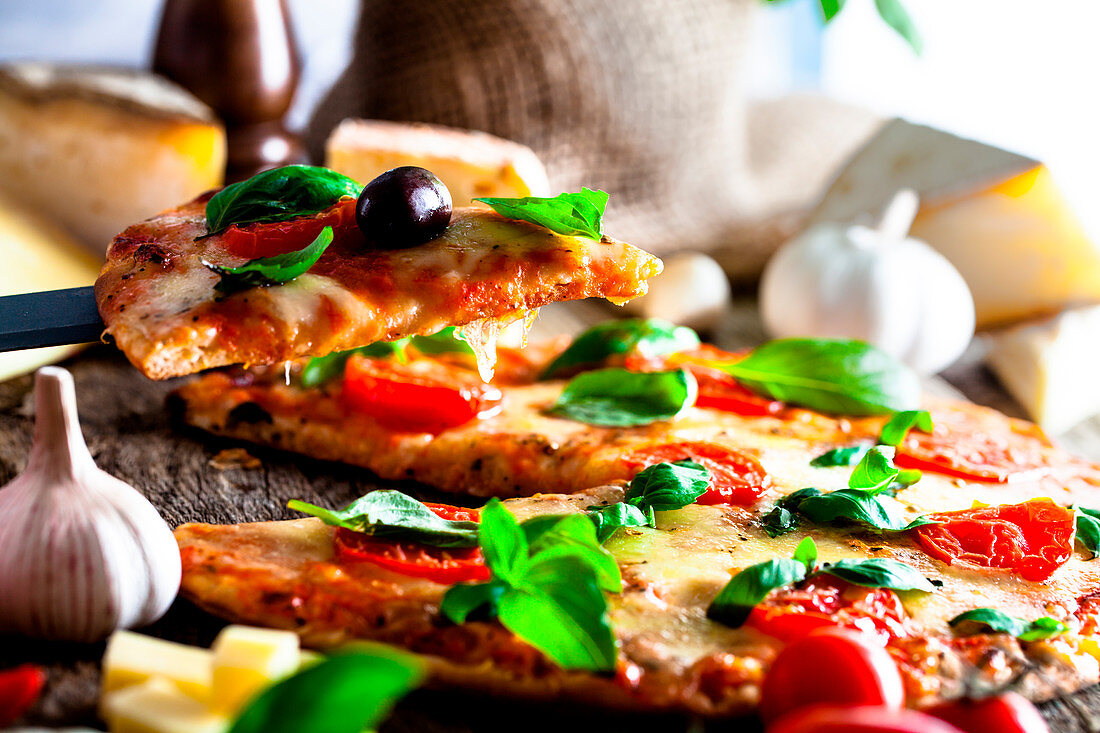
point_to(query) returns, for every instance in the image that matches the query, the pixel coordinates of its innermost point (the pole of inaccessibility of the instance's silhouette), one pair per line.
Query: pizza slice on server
(303, 261)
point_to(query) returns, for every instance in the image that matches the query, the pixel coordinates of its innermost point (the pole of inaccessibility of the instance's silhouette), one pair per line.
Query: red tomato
(735, 476)
(1007, 713)
(717, 389)
(860, 719)
(442, 565)
(1033, 538)
(275, 238)
(422, 396)
(831, 666)
(19, 688)
(828, 602)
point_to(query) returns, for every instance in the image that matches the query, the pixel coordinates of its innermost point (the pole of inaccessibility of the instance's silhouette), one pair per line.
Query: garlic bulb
(876, 285)
(81, 553)
(692, 291)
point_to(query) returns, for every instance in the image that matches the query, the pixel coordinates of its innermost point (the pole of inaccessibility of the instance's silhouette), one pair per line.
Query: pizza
(689, 512)
(267, 273)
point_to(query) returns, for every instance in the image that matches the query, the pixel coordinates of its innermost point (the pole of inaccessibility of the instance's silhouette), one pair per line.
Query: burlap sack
(643, 98)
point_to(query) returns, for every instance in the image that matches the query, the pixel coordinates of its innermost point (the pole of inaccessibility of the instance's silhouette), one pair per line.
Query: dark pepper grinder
(238, 56)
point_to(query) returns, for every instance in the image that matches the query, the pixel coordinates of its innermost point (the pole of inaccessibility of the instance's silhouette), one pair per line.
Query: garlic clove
(81, 552)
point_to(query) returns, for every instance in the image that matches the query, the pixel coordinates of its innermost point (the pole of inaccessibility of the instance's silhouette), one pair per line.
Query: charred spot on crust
(149, 252)
(248, 412)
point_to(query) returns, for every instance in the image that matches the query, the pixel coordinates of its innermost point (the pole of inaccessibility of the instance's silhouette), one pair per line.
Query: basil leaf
(343, 693)
(609, 519)
(461, 601)
(806, 553)
(876, 473)
(879, 573)
(895, 15)
(396, 516)
(829, 375)
(579, 214)
(853, 505)
(447, 341)
(668, 486)
(1088, 529)
(278, 195)
(749, 587)
(848, 456)
(779, 521)
(621, 398)
(272, 270)
(978, 620)
(322, 369)
(503, 543)
(644, 336)
(894, 431)
(574, 535)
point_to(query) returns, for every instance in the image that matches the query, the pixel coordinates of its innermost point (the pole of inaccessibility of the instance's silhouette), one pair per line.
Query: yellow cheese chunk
(471, 164)
(158, 706)
(248, 660)
(100, 149)
(131, 659)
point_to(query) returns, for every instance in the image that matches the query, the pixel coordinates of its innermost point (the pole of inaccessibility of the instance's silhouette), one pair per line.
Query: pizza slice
(291, 263)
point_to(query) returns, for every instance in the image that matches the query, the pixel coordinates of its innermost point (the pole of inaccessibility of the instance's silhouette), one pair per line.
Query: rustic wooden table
(132, 435)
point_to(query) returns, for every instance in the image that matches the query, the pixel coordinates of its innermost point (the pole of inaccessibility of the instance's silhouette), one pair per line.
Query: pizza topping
(829, 375)
(444, 565)
(621, 398)
(990, 620)
(403, 207)
(579, 214)
(279, 194)
(646, 338)
(422, 396)
(1088, 529)
(19, 689)
(548, 579)
(613, 517)
(274, 270)
(897, 427)
(260, 239)
(826, 718)
(1009, 712)
(828, 602)
(321, 369)
(1034, 538)
(736, 477)
(667, 486)
(388, 514)
(846, 456)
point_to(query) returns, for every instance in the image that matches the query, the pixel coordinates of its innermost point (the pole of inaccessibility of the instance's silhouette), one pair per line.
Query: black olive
(403, 207)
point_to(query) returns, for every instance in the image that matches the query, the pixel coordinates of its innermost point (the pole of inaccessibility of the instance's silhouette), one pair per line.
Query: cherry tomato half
(735, 476)
(831, 666)
(860, 719)
(275, 238)
(441, 565)
(1007, 713)
(828, 602)
(1033, 538)
(19, 688)
(422, 396)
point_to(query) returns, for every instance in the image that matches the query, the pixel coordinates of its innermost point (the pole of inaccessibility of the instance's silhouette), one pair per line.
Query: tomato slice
(423, 396)
(276, 238)
(828, 602)
(861, 719)
(1010, 712)
(441, 565)
(19, 688)
(735, 476)
(1034, 538)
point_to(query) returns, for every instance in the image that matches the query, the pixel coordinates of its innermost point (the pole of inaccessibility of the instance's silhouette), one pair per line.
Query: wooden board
(133, 436)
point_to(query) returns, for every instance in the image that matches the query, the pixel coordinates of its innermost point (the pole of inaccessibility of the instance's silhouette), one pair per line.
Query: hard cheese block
(471, 164)
(100, 149)
(997, 216)
(133, 659)
(158, 706)
(248, 660)
(1049, 366)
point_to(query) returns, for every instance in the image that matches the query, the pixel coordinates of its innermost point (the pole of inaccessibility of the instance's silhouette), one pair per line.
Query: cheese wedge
(248, 660)
(132, 659)
(158, 706)
(1049, 366)
(98, 149)
(997, 216)
(471, 164)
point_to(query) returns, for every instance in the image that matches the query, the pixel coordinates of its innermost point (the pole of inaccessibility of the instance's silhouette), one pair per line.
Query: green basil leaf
(1088, 529)
(829, 375)
(749, 587)
(272, 270)
(779, 521)
(848, 456)
(621, 398)
(552, 536)
(503, 543)
(854, 505)
(896, 16)
(396, 516)
(668, 486)
(447, 341)
(894, 431)
(462, 600)
(1043, 627)
(806, 553)
(983, 620)
(829, 9)
(579, 214)
(876, 473)
(278, 195)
(613, 517)
(879, 573)
(343, 693)
(644, 336)
(322, 369)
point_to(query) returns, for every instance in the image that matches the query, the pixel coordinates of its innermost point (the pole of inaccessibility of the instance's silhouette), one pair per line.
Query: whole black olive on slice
(403, 207)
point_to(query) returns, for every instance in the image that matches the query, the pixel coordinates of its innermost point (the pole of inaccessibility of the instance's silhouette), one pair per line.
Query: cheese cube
(471, 164)
(248, 660)
(997, 216)
(100, 149)
(132, 659)
(158, 706)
